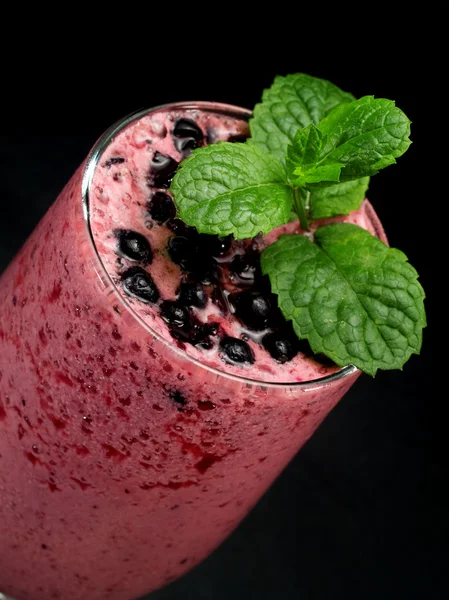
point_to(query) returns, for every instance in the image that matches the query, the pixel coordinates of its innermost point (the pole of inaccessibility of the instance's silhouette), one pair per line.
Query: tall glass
(123, 462)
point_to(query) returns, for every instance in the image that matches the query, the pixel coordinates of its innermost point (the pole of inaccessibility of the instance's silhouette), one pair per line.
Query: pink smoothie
(126, 454)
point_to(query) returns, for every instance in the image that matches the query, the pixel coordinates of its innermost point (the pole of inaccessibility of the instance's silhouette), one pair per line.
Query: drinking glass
(123, 461)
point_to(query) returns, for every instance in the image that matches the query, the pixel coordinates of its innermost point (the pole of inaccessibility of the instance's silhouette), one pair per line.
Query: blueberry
(215, 245)
(205, 270)
(134, 246)
(139, 284)
(196, 334)
(115, 160)
(211, 328)
(233, 350)
(161, 207)
(192, 294)
(206, 344)
(180, 228)
(184, 326)
(282, 345)
(253, 309)
(187, 135)
(175, 314)
(162, 169)
(186, 253)
(245, 269)
(182, 252)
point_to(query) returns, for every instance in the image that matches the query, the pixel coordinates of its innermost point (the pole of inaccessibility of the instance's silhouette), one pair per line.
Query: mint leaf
(365, 135)
(338, 199)
(352, 297)
(232, 188)
(306, 147)
(355, 140)
(324, 174)
(290, 104)
(303, 156)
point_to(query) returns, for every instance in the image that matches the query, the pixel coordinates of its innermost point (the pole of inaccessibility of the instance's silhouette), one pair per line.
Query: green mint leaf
(232, 188)
(306, 147)
(303, 156)
(338, 199)
(290, 104)
(354, 298)
(324, 174)
(365, 135)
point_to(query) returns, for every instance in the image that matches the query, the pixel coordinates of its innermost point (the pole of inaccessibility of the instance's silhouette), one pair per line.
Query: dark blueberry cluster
(195, 253)
(214, 268)
(210, 266)
(185, 327)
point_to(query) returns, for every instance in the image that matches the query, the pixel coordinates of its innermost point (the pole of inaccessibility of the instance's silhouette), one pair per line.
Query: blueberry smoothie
(150, 390)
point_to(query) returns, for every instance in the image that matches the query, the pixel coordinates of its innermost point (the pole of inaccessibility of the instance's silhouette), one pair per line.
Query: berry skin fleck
(177, 397)
(139, 284)
(115, 160)
(236, 351)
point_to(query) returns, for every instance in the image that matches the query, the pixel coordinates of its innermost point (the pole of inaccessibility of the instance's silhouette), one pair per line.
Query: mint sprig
(313, 149)
(305, 159)
(354, 298)
(290, 104)
(232, 188)
(365, 135)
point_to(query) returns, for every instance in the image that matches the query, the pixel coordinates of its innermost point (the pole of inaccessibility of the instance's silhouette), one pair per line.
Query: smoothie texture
(127, 452)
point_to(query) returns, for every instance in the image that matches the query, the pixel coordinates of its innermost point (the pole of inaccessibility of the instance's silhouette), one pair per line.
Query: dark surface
(361, 511)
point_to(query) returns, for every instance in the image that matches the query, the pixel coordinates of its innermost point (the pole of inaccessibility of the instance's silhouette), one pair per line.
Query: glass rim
(87, 178)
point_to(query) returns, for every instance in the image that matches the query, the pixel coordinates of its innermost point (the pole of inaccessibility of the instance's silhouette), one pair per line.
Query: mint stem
(300, 207)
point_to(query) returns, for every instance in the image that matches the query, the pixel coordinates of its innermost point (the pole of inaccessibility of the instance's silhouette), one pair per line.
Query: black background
(361, 511)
